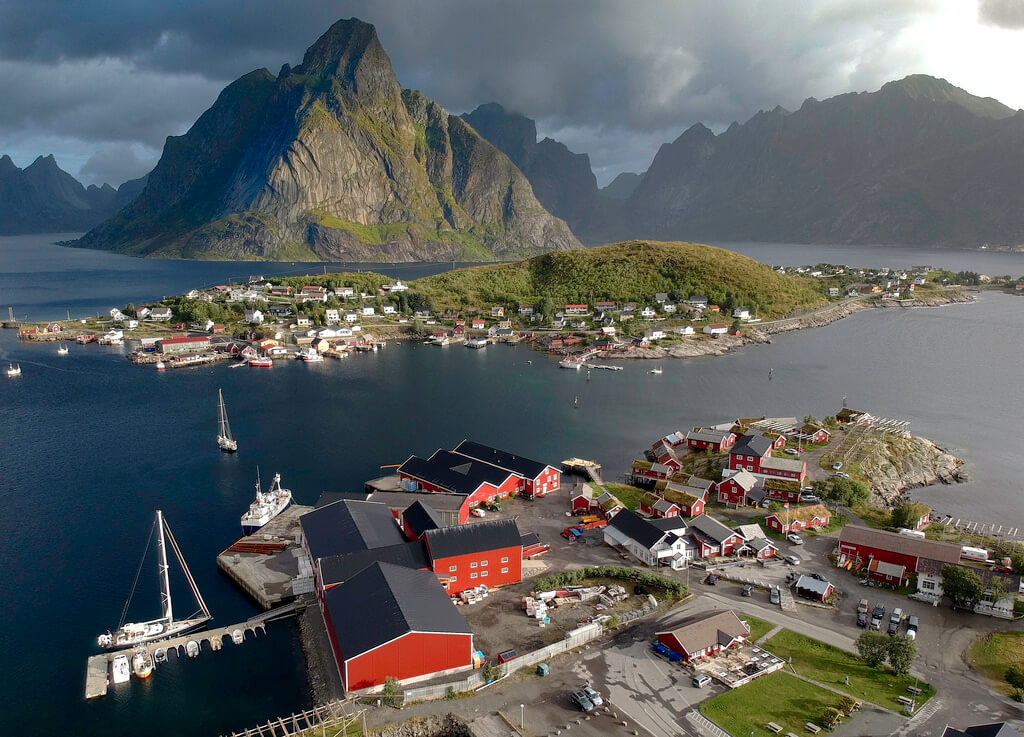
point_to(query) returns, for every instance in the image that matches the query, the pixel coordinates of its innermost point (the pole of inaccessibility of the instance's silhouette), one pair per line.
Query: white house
(716, 328)
(351, 316)
(654, 334)
(142, 313)
(661, 298)
(608, 330)
(388, 309)
(160, 314)
(367, 311)
(661, 542)
(116, 315)
(326, 333)
(647, 312)
(332, 316)
(684, 330)
(669, 308)
(741, 313)
(254, 317)
(395, 286)
(343, 332)
(344, 292)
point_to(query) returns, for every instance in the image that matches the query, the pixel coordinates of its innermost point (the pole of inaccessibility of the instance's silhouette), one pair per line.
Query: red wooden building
(736, 489)
(450, 472)
(390, 621)
(535, 478)
(859, 546)
(702, 438)
(581, 499)
(704, 635)
(713, 539)
(655, 506)
(796, 519)
(753, 453)
(488, 553)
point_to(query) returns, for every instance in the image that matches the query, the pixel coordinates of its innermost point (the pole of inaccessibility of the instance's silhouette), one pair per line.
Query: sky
(101, 83)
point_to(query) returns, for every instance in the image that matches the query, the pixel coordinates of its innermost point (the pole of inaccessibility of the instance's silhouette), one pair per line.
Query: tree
(873, 647)
(963, 586)
(830, 717)
(848, 492)
(391, 695)
(129, 310)
(907, 514)
(1015, 677)
(1017, 562)
(901, 654)
(810, 420)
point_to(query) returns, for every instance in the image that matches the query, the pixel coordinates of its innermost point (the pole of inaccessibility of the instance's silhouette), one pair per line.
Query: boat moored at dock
(262, 362)
(268, 504)
(120, 669)
(142, 663)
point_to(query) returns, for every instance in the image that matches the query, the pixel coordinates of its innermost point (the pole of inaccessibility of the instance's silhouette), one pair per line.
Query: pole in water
(770, 372)
(576, 402)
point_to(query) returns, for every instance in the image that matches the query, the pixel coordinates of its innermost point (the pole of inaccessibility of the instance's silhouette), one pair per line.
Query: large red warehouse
(410, 631)
(450, 472)
(862, 545)
(535, 478)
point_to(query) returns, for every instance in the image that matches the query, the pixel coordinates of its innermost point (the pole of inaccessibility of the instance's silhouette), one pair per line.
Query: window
(483, 564)
(452, 569)
(504, 559)
(472, 575)
(452, 579)
(929, 585)
(504, 570)
(473, 564)
(483, 574)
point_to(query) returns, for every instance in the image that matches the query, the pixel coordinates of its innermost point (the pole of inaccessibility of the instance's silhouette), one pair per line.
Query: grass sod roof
(623, 272)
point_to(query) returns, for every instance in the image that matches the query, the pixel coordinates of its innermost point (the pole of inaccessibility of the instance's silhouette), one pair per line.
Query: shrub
(830, 717)
(645, 578)
(873, 648)
(391, 695)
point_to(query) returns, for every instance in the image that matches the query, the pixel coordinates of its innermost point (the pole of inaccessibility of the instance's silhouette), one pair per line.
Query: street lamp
(522, 716)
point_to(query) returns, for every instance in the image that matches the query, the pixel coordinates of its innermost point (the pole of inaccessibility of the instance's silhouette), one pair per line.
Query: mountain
(43, 198)
(332, 160)
(919, 162)
(622, 186)
(622, 272)
(562, 180)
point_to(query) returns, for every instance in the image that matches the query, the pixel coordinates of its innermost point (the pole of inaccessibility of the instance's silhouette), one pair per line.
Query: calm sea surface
(90, 446)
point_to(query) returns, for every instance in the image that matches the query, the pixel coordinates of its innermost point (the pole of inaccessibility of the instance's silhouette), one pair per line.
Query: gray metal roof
(752, 445)
(337, 569)
(478, 537)
(710, 528)
(454, 472)
(806, 583)
(346, 526)
(502, 459)
(637, 528)
(707, 630)
(420, 517)
(384, 602)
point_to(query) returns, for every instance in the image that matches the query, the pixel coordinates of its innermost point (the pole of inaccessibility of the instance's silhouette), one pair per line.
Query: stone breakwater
(762, 333)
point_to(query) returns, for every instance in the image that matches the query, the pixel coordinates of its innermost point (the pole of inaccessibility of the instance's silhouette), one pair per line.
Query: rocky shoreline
(919, 462)
(762, 334)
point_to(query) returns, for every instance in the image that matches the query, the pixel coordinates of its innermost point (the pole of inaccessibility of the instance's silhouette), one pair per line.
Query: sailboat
(62, 350)
(224, 440)
(268, 505)
(139, 633)
(13, 370)
(655, 371)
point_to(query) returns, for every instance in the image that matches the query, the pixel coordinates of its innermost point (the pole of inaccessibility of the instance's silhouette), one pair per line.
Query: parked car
(795, 539)
(877, 615)
(711, 580)
(841, 475)
(748, 589)
(789, 451)
(895, 619)
(792, 560)
(836, 466)
(765, 504)
(912, 623)
(478, 512)
(810, 498)
(774, 596)
(862, 613)
(594, 696)
(701, 680)
(580, 701)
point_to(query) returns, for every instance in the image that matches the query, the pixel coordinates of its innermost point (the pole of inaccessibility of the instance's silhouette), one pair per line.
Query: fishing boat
(261, 363)
(160, 655)
(268, 504)
(62, 350)
(161, 366)
(308, 355)
(142, 663)
(13, 370)
(570, 363)
(139, 633)
(237, 637)
(120, 669)
(224, 440)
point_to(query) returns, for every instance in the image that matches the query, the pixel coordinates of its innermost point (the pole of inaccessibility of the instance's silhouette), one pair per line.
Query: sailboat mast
(225, 429)
(165, 581)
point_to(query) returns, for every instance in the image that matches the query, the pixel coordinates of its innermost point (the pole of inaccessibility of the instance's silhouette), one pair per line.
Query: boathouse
(535, 478)
(449, 472)
(173, 346)
(489, 553)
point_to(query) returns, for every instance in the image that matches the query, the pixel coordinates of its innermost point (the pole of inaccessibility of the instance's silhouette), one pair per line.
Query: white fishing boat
(160, 655)
(268, 504)
(120, 669)
(13, 370)
(62, 350)
(570, 363)
(139, 633)
(310, 355)
(142, 663)
(224, 440)
(161, 366)
(237, 637)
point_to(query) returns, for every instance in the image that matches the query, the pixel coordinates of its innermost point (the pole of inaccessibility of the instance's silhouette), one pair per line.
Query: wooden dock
(96, 681)
(588, 469)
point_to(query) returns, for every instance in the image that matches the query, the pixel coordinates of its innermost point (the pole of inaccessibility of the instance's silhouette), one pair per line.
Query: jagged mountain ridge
(332, 160)
(43, 198)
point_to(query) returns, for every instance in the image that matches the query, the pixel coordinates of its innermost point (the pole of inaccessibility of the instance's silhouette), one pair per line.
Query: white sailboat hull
(132, 635)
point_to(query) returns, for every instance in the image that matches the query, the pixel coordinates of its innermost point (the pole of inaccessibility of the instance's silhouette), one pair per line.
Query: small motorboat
(120, 669)
(160, 366)
(261, 363)
(142, 663)
(13, 370)
(192, 648)
(160, 655)
(62, 350)
(655, 371)
(237, 637)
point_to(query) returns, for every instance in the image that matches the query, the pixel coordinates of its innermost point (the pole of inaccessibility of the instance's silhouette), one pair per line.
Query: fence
(573, 639)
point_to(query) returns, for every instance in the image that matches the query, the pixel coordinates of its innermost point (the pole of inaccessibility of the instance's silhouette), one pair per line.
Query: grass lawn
(992, 654)
(759, 519)
(829, 665)
(777, 697)
(880, 519)
(758, 627)
(628, 495)
(836, 522)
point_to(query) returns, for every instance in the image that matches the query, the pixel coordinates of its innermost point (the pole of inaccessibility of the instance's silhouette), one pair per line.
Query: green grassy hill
(625, 272)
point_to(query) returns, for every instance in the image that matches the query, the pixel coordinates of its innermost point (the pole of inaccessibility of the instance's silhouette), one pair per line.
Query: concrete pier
(265, 563)
(96, 681)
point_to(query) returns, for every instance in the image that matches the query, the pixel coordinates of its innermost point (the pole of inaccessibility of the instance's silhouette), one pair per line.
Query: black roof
(668, 524)
(448, 542)
(752, 445)
(383, 602)
(710, 529)
(420, 518)
(997, 729)
(453, 472)
(530, 538)
(330, 497)
(347, 526)
(637, 528)
(500, 458)
(335, 569)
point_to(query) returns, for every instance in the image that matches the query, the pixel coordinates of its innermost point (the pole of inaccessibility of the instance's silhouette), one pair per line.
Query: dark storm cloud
(1002, 13)
(615, 78)
(116, 163)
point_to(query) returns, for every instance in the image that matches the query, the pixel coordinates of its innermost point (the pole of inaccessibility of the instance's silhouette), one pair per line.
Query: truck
(571, 533)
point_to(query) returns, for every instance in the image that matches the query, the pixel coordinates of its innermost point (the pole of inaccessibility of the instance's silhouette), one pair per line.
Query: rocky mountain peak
(351, 52)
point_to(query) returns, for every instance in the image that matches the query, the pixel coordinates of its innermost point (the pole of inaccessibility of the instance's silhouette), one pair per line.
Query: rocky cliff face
(43, 198)
(333, 160)
(905, 464)
(917, 162)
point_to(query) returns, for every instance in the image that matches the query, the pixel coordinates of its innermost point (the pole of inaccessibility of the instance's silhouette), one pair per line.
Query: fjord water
(91, 445)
